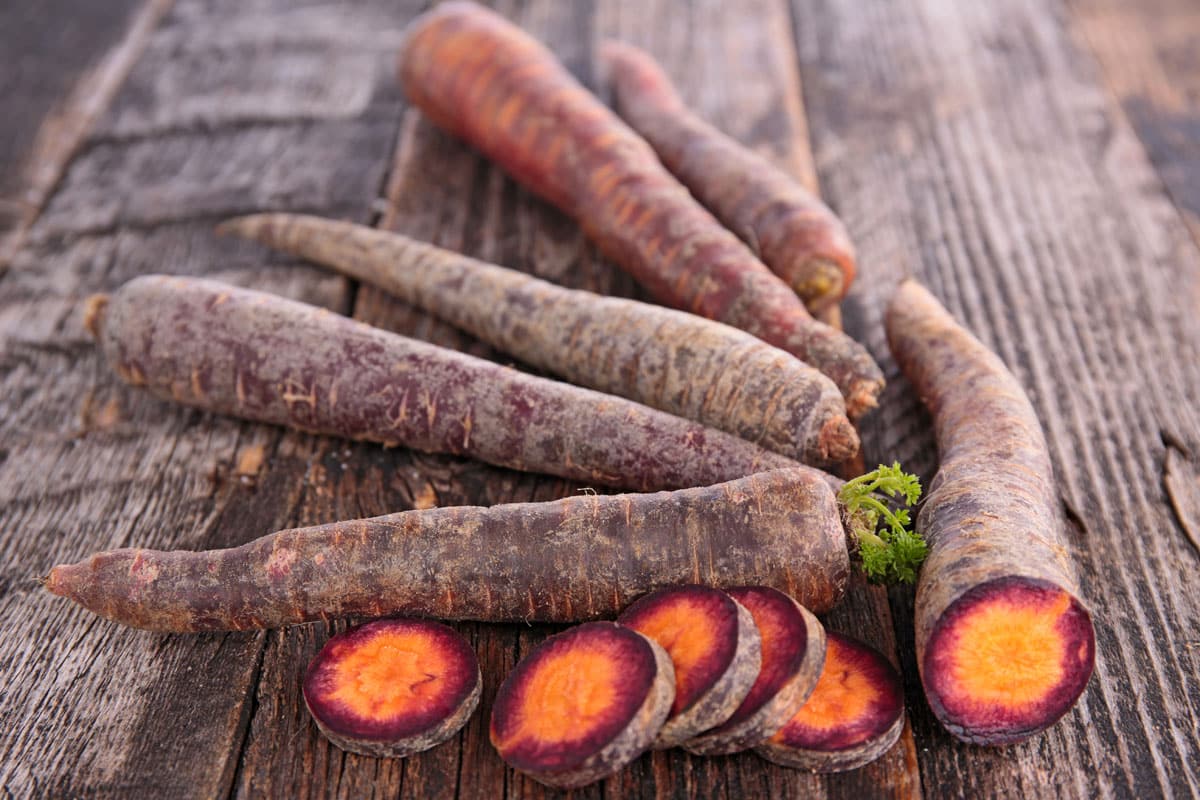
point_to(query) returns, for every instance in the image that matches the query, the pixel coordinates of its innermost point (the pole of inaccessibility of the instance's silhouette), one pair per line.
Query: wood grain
(993, 166)
(989, 167)
(1150, 61)
(67, 76)
(91, 709)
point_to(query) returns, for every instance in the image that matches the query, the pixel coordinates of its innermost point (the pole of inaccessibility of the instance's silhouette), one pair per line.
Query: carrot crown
(893, 553)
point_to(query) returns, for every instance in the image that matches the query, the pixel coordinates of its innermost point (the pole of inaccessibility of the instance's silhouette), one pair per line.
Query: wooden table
(1036, 163)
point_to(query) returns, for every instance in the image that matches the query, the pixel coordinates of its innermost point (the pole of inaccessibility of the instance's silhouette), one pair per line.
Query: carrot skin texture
(992, 520)
(787, 226)
(462, 64)
(265, 358)
(676, 362)
(580, 558)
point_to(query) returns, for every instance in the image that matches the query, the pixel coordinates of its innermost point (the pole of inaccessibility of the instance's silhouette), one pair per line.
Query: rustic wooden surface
(1035, 163)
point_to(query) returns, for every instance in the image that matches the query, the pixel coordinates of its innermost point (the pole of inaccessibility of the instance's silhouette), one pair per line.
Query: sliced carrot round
(393, 687)
(583, 704)
(793, 650)
(854, 715)
(714, 646)
(1007, 659)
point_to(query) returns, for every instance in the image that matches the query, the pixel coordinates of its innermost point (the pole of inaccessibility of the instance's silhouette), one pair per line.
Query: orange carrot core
(570, 693)
(1010, 652)
(843, 693)
(684, 629)
(393, 674)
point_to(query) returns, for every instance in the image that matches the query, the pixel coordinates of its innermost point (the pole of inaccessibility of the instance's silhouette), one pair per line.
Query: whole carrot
(568, 560)
(676, 362)
(484, 80)
(264, 358)
(1004, 644)
(790, 229)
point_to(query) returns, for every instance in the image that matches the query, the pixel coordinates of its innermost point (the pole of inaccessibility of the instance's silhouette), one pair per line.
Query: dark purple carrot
(484, 80)
(583, 704)
(787, 226)
(793, 650)
(264, 358)
(714, 646)
(1004, 644)
(580, 558)
(853, 716)
(393, 687)
(676, 362)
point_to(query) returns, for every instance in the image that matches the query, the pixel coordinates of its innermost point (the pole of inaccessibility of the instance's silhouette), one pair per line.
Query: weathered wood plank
(70, 59)
(737, 66)
(91, 709)
(1151, 63)
(971, 145)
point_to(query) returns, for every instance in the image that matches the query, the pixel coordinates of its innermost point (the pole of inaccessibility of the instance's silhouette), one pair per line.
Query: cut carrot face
(1008, 658)
(854, 715)
(393, 687)
(714, 646)
(583, 704)
(1004, 644)
(793, 650)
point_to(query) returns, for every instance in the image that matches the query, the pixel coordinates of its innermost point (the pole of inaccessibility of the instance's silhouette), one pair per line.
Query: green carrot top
(893, 553)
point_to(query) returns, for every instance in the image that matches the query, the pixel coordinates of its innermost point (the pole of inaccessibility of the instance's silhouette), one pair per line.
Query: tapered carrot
(676, 362)
(1004, 644)
(485, 81)
(264, 358)
(584, 557)
(790, 229)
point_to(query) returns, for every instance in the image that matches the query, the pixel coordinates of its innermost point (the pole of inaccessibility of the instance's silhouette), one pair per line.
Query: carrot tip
(820, 284)
(1008, 659)
(838, 440)
(862, 397)
(93, 313)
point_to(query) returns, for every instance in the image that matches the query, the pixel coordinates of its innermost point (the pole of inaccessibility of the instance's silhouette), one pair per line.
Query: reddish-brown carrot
(268, 359)
(1004, 644)
(569, 560)
(790, 229)
(669, 360)
(484, 80)
(853, 716)
(583, 704)
(714, 646)
(393, 687)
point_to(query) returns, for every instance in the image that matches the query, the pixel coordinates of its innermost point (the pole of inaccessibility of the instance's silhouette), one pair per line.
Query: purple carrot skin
(676, 362)
(787, 226)
(581, 558)
(264, 358)
(1004, 644)
(583, 704)
(393, 687)
(483, 80)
